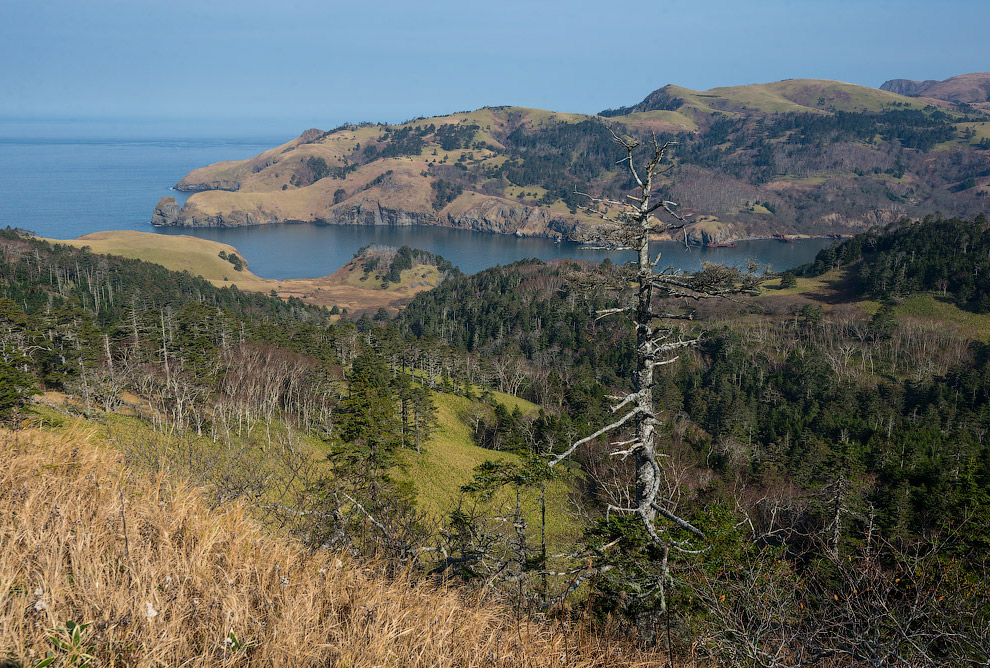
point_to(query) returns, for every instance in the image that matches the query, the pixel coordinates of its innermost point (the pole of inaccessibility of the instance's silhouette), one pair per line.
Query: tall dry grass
(171, 589)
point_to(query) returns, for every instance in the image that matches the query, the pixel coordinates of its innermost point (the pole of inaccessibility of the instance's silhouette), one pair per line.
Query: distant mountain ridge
(967, 88)
(792, 157)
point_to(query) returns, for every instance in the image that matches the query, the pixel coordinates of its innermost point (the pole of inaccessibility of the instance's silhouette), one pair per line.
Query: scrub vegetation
(202, 474)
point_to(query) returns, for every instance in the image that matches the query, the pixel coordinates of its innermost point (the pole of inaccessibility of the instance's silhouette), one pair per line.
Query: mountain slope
(161, 577)
(967, 88)
(352, 286)
(794, 157)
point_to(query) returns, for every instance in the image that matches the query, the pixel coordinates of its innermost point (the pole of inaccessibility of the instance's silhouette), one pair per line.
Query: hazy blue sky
(252, 67)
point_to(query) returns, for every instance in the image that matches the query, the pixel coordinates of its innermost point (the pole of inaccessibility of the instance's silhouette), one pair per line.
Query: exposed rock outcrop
(906, 86)
(187, 186)
(375, 213)
(166, 213)
(701, 236)
(969, 88)
(505, 217)
(489, 215)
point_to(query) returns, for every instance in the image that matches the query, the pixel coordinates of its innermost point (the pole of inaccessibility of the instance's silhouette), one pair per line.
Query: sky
(272, 68)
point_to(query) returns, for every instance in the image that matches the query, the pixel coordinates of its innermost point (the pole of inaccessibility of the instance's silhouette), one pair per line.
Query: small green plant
(234, 645)
(71, 646)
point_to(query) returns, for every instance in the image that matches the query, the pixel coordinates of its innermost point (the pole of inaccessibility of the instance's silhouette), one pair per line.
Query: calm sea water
(66, 188)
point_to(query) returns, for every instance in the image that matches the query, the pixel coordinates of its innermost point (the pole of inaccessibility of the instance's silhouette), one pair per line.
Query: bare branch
(604, 313)
(626, 400)
(618, 423)
(379, 525)
(684, 524)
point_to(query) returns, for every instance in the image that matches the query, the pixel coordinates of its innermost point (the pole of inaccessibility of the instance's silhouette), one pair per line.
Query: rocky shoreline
(511, 220)
(490, 215)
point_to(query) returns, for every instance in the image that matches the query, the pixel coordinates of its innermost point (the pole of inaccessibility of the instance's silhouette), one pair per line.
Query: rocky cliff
(969, 88)
(749, 161)
(487, 215)
(166, 212)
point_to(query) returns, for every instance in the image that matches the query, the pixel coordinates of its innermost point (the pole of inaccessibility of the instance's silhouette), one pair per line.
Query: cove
(308, 250)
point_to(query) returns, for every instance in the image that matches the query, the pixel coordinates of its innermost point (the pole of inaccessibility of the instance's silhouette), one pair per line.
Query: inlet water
(63, 189)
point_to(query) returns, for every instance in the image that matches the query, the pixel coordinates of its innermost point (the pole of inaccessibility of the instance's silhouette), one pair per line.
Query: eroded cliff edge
(796, 157)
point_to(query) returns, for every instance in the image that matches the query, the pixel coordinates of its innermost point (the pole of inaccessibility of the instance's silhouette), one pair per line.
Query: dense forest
(837, 462)
(951, 257)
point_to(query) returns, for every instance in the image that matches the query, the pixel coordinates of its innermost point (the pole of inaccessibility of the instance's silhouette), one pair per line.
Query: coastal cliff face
(166, 212)
(967, 88)
(499, 217)
(749, 161)
(188, 185)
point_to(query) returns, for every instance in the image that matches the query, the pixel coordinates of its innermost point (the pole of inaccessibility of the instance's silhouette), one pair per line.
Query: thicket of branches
(835, 464)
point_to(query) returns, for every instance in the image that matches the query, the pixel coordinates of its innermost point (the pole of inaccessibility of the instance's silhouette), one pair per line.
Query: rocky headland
(796, 157)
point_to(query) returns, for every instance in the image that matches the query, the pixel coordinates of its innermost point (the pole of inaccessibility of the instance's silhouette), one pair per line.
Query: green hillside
(861, 392)
(761, 159)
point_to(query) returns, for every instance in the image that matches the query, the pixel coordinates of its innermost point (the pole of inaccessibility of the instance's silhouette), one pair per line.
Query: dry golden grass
(172, 588)
(200, 257)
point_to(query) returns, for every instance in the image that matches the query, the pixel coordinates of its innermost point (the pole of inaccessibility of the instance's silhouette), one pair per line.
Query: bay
(304, 250)
(64, 188)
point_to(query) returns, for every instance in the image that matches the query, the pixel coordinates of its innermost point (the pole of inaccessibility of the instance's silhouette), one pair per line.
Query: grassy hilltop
(350, 287)
(797, 156)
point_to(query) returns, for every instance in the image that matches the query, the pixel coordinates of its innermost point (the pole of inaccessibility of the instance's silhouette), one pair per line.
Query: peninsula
(794, 157)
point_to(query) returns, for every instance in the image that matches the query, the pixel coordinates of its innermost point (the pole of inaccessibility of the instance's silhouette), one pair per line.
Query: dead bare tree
(659, 299)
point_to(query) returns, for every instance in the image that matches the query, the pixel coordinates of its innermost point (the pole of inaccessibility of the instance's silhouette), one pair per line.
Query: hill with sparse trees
(792, 157)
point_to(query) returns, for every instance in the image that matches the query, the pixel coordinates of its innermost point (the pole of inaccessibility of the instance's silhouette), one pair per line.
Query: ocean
(65, 188)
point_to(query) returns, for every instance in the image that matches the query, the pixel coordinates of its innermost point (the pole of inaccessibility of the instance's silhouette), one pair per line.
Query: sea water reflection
(306, 250)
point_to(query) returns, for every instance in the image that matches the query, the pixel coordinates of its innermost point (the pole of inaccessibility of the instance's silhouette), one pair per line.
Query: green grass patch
(449, 458)
(805, 180)
(806, 286)
(835, 287)
(932, 307)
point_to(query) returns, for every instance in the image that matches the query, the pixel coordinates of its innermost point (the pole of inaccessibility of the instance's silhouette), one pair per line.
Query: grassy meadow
(155, 576)
(833, 288)
(200, 257)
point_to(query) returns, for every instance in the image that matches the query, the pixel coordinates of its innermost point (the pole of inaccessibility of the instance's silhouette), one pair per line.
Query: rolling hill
(798, 156)
(966, 88)
(358, 285)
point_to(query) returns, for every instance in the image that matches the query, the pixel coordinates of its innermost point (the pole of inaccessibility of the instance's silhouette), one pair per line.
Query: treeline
(949, 257)
(561, 158)
(412, 139)
(38, 275)
(910, 128)
(313, 169)
(535, 313)
(826, 454)
(836, 462)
